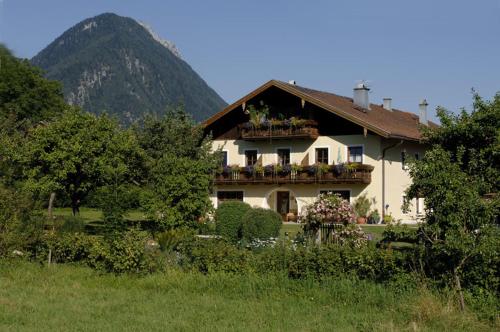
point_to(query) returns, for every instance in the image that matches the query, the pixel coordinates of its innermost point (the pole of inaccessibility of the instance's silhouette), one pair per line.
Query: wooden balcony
(339, 174)
(307, 130)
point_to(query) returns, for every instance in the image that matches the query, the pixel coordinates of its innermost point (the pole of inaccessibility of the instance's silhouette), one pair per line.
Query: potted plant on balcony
(235, 172)
(362, 206)
(259, 171)
(294, 170)
(323, 170)
(258, 115)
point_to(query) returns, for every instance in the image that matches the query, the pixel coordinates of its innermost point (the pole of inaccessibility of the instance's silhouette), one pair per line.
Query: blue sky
(407, 50)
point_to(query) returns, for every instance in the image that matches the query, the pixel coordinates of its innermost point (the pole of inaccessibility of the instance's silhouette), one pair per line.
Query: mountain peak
(166, 43)
(109, 63)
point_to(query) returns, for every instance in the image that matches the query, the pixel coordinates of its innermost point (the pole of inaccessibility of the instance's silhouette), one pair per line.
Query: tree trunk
(459, 289)
(75, 206)
(51, 205)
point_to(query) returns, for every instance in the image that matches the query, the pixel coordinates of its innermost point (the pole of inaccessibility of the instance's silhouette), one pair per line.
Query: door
(283, 203)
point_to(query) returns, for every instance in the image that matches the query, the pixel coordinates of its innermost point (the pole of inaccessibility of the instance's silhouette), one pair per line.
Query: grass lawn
(72, 298)
(92, 215)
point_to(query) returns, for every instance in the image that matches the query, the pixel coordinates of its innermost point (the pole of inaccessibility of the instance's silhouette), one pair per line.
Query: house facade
(284, 144)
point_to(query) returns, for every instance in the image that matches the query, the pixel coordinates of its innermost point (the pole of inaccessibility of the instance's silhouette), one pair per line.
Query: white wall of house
(396, 179)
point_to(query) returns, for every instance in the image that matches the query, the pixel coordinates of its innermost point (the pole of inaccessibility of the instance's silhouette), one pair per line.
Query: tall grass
(71, 298)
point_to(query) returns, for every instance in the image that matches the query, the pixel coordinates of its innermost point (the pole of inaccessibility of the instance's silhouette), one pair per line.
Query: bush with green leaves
(259, 223)
(69, 224)
(21, 227)
(215, 255)
(460, 236)
(172, 239)
(117, 253)
(127, 253)
(229, 219)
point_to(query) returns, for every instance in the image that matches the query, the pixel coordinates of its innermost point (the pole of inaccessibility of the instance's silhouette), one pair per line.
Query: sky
(406, 50)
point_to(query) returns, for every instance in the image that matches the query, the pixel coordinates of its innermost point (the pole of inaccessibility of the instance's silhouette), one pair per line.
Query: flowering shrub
(328, 208)
(351, 235)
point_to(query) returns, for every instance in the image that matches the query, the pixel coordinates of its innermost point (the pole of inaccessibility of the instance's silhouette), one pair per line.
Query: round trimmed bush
(261, 224)
(228, 219)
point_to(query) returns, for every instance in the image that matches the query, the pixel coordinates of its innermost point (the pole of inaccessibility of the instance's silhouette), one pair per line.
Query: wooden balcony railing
(338, 174)
(308, 130)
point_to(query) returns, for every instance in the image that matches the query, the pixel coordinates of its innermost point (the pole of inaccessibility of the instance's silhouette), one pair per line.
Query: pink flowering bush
(351, 235)
(328, 208)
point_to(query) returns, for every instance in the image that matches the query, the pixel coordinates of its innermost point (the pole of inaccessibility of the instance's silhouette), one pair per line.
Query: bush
(127, 253)
(213, 255)
(69, 224)
(118, 253)
(228, 219)
(260, 224)
(171, 240)
(328, 208)
(21, 228)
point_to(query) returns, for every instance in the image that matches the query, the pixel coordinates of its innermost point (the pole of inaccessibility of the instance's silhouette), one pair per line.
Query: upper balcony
(279, 129)
(352, 173)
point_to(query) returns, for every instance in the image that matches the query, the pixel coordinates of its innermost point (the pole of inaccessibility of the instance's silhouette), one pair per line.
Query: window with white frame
(224, 158)
(250, 157)
(355, 154)
(322, 155)
(419, 201)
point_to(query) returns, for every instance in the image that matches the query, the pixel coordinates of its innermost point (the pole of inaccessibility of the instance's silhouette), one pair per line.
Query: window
(345, 194)
(403, 160)
(322, 155)
(250, 157)
(355, 154)
(224, 158)
(229, 196)
(417, 156)
(283, 156)
(420, 204)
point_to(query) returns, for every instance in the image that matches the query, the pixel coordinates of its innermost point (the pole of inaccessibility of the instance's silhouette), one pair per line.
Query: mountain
(118, 65)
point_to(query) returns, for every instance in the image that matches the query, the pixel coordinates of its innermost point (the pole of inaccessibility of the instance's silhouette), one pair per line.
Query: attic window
(355, 154)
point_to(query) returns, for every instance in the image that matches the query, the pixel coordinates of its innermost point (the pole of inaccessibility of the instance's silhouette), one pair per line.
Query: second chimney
(361, 96)
(388, 104)
(423, 112)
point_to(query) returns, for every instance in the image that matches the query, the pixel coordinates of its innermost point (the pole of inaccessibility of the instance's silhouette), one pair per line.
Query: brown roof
(390, 124)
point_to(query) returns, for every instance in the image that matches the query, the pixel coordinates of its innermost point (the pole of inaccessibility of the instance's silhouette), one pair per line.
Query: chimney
(423, 112)
(292, 82)
(361, 96)
(388, 104)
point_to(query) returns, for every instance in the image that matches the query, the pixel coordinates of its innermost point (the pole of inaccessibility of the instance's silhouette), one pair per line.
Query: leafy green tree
(180, 169)
(459, 236)
(78, 153)
(472, 139)
(25, 94)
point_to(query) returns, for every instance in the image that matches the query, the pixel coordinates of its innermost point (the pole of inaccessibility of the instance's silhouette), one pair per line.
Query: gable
(335, 112)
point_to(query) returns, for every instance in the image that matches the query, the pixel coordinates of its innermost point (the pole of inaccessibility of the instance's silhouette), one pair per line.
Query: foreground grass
(70, 298)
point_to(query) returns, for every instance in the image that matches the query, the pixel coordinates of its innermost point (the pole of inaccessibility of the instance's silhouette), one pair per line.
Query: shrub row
(298, 262)
(237, 220)
(125, 252)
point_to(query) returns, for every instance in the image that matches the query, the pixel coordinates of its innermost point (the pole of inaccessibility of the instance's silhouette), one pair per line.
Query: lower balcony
(275, 174)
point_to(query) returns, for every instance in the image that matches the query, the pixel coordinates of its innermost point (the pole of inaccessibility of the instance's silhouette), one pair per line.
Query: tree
(25, 94)
(459, 236)
(180, 169)
(78, 153)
